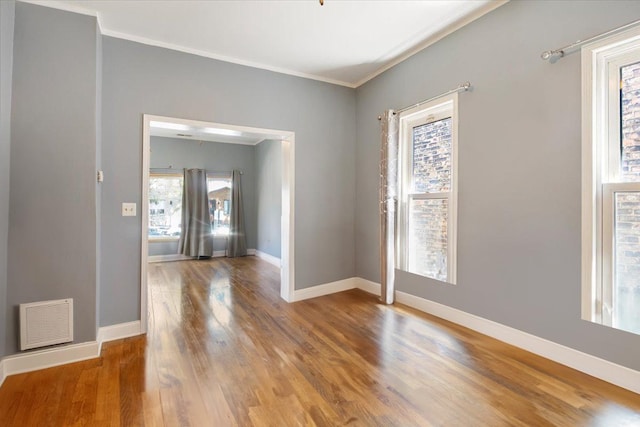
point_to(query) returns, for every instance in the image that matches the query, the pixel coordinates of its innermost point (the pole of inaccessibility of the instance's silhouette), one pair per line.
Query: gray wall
(142, 79)
(170, 247)
(164, 247)
(214, 157)
(519, 169)
(52, 209)
(98, 185)
(269, 196)
(7, 14)
(519, 200)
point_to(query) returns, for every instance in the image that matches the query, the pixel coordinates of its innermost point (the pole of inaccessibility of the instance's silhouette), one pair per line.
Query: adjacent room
(320, 212)
(174, 149)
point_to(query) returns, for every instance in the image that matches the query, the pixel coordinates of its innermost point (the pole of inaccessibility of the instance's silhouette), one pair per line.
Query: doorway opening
(218, 132)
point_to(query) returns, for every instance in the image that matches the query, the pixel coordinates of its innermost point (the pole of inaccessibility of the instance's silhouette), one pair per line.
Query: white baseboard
(269, 258)
(367, 285)
(592, 365)
(180, 257)
(55, 356)
(599, 368)
(116, 332)
(169, 257)
(42, 359)
(2, 375)
(326, 289)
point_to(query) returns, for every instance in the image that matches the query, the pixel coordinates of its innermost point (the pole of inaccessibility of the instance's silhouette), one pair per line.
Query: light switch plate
(128, 209)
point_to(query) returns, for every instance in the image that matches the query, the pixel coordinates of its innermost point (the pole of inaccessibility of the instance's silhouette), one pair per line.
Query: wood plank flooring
(224, 350)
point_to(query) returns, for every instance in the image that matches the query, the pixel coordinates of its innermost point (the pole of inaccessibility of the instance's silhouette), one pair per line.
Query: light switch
(128, 209)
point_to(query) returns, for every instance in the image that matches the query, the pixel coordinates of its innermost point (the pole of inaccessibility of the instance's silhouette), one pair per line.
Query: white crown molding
(55, 4)
(269, 258)
(67, 7)
(224, 58)
(603, 369)
(453, 27)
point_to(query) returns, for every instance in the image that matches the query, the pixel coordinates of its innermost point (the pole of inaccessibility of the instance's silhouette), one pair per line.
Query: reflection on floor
(223, 349)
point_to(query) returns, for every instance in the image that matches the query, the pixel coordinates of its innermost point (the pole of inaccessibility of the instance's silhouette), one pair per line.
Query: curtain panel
(388, 201)
(195, 236)
(237, 242)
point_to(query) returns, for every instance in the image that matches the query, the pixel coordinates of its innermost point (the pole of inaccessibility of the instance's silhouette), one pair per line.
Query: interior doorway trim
(288, 192)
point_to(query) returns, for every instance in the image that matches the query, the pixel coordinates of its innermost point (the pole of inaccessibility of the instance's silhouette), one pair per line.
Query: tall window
(165, 205)
(611, 182)
(427, 205)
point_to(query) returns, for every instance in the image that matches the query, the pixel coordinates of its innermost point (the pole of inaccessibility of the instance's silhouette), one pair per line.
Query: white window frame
(601, 63)
(438, 109)
(177, 174)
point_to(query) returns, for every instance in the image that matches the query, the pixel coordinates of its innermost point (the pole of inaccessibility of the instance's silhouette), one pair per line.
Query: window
(611, 182)
(165, 205)
(219, 201)
(427, 205)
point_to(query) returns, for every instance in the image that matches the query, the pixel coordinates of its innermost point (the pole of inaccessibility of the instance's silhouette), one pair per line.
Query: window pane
(432, 157)
(427, 240)
(165, 206)
(626, 292)
(630, 122)
(219, 197)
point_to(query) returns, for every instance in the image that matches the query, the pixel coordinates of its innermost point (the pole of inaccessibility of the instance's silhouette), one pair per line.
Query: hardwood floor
(224, 350)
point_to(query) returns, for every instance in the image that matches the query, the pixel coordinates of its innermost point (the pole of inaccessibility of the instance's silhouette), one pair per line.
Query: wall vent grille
(46, 323)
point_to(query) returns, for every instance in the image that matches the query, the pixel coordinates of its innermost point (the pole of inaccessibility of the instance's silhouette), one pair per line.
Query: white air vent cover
(46, 323)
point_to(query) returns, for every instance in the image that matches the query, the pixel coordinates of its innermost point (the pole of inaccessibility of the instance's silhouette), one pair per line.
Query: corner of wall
(59, 105)
(269, 258)
(7, 19)
(98, 200)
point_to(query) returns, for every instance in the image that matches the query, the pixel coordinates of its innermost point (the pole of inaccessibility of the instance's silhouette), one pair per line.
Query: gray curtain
(195, 236)
(388, 201)
(237, 242)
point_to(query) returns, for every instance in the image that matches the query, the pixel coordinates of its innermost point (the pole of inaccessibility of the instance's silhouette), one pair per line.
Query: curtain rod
(178, 171)
(461, 88)
(548, 54)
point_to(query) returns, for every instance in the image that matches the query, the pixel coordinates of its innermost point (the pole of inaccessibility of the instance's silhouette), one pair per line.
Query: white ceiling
(343, 42)
(201, 131)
